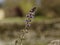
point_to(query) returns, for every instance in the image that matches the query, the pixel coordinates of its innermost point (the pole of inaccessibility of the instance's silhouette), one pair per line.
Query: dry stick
(22, 38)
(28, 23)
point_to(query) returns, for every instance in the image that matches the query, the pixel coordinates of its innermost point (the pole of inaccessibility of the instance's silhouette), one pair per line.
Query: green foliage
(26, 6)
(51, 6)
(56, 9)
(39, 12)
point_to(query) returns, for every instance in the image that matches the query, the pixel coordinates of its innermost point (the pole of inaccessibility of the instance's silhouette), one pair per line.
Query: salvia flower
(28, 20)
(29, 16)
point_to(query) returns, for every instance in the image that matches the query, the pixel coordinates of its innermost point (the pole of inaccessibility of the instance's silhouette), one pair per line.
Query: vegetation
(44, 27)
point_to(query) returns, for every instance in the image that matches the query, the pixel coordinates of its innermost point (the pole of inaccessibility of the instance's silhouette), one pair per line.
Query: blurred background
(44, 27)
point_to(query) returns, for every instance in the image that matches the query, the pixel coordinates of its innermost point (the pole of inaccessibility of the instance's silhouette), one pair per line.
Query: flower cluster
(29, 16)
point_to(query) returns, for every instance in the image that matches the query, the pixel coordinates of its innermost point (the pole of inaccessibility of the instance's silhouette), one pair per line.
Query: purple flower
(29, 16)
(27, 25)
(28, 20)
